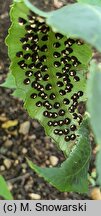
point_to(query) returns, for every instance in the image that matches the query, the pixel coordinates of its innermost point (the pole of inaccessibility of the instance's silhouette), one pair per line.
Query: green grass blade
(4, 192)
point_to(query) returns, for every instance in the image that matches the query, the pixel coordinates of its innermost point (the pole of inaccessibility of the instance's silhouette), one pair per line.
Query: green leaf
(78, 20)
(83, 53)
(94, 102)
(10, 82)
(98, 166)
(50, 55)
(4, 192)
(72, 174)
(19, 93)
(93, 2)
(94, 108)
(50, 75)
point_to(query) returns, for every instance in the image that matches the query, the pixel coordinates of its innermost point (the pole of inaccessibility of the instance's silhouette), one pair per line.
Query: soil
(21, 140)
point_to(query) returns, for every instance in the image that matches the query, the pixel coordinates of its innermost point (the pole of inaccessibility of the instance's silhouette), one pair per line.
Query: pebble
(16, 162)
(3, 150)
(19, 196)
(24, 165)
(7, 163)
(24, 128)
(57, 4)
(96, 149)
(23, 171)
(34, 196)
(10, 186)
(32, 137)
(29, 185)
(53, 160)
(47, 162)
(35, 124)
(14, 155)
(3, 118)
(9, 123)
(24, 151)
(95, 194)
(47, 139)
(8, 143)
(2, 168)
(13, 133)
(39, 142)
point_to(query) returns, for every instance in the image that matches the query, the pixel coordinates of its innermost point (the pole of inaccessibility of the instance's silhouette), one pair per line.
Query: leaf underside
(78, 20)
(50, 75)
(72, 175)
(94, 108)
(98, 166)
(93, 2)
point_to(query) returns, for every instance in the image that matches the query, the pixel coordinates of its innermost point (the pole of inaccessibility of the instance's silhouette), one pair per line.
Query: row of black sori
(37, 63)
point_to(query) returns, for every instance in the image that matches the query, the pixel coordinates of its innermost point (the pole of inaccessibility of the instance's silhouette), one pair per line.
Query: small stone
(34, 196)
(96, 149)
(53, 160)
(58, 4)
(24, 166)
(47, 139)
(10, 186)
(27, 187)
(9, 123)
(7, 163)
(35, 124)
(24, 128)
(14, 155)
(32, 137)
(8, 143)
(47, 162)
(2, 168)
(39, 141)
(95, 194)
(3, 118)
(13, 133)
(23, 171)
(24, 151)
(19, 196)
(3, 150)
(16, 162)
